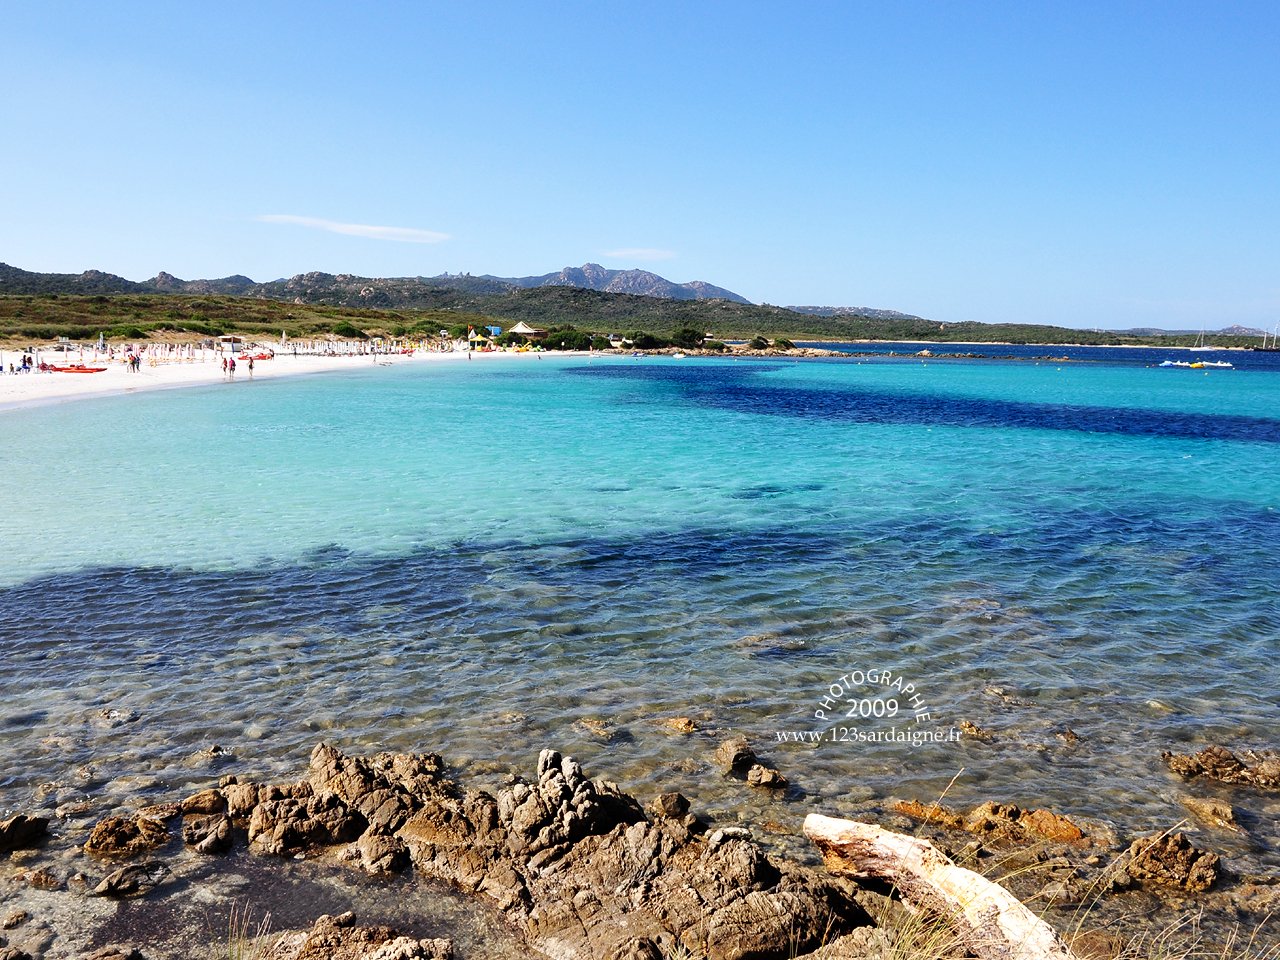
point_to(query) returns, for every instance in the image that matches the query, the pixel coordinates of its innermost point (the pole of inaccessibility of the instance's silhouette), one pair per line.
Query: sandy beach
(18, 391)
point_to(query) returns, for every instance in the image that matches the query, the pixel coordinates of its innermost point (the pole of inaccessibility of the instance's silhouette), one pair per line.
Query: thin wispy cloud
(640, 253)
(369, 231)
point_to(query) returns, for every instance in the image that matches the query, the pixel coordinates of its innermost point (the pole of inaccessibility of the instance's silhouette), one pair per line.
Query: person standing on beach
(251, 366)
(231, 368)
(224, 366)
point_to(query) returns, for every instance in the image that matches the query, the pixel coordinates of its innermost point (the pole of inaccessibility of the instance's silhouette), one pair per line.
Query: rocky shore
(577, 869)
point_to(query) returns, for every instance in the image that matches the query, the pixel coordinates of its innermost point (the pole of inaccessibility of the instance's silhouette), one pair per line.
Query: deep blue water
(1125, 356)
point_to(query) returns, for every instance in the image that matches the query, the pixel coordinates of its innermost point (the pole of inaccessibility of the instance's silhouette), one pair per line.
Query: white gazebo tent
(528, 332)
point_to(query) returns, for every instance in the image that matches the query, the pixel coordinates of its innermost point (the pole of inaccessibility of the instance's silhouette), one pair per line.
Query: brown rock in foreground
(998, 822)
(210, 834)
(20, 832)
(1172, 861)
(284, 827)
(735, 755)
(125, 836)
(114, 953)
(572, 862)
(1219, 763)
(340, 938)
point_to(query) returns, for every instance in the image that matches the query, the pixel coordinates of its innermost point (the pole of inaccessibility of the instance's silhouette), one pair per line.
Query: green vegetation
(348, 331)
(567, 339)
(35, 317)
(689, 338)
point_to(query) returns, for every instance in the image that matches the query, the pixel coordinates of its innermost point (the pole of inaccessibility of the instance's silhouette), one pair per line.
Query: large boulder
(288, 826)
(126, 836)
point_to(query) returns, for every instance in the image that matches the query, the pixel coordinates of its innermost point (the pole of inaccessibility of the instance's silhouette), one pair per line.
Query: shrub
(349, 330)
(688, 338)
(647, 341)
(758, 343)
(568, 340)
(126, 332)
(782, 343)
(600, 343)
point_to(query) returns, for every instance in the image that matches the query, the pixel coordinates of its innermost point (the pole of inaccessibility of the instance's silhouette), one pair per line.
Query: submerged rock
(999, 822)
(761, 776)
(975, 732)
(135, 880)
(680, 724)
(735, 755)
(42, 879)
(1214, 813)
(110, 719)
(596, 728)
(1219, 763)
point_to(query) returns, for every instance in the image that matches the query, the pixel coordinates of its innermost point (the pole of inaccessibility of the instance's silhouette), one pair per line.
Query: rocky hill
(872, 312)
(642, 283)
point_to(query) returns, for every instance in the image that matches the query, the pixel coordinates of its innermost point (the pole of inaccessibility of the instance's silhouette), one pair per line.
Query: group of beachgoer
(229, 367)
(25, 365)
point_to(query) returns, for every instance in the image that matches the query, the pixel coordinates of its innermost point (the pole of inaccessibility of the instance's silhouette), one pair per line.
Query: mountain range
(590, 293)
(349, 290)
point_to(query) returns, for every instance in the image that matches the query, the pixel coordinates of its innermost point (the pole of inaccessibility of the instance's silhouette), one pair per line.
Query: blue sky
(1087, 164)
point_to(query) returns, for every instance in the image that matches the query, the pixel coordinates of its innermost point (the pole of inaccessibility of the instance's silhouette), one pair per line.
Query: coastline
(26, 390)
(1010, 343)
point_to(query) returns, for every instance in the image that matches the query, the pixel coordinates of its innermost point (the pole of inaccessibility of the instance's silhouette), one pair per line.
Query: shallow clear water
(487, 559)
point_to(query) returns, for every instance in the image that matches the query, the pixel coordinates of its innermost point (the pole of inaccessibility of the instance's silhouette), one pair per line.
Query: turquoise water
(485, 559)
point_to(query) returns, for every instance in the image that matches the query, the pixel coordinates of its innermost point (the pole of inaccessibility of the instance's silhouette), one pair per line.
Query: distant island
(590, 299)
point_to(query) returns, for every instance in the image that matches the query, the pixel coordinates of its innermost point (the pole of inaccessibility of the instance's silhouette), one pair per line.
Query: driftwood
(988, 919)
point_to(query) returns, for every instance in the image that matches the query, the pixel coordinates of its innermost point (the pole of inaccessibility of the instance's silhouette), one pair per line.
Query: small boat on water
(1175, 363)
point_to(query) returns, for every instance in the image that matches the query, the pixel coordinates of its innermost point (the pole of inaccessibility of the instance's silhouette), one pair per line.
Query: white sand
(32, 389)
